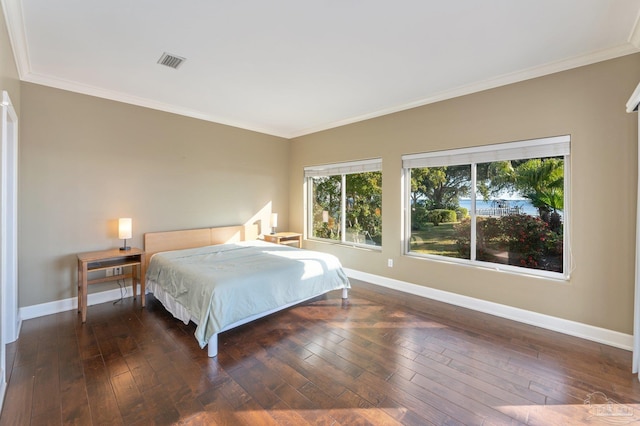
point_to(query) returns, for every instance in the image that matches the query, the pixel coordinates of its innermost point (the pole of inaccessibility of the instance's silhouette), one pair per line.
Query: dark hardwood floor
(384, 358)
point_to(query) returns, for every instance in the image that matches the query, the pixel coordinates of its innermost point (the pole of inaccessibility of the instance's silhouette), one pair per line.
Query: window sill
(366, 247)
(508, 269)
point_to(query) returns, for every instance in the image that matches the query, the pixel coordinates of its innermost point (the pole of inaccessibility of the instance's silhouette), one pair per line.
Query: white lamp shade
(124, 228)
(274, 220)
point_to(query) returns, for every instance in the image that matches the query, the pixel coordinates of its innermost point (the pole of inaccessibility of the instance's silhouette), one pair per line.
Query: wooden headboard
(155, 242)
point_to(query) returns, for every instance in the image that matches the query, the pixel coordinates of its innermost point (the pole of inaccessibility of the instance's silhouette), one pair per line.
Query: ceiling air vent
(170, 60)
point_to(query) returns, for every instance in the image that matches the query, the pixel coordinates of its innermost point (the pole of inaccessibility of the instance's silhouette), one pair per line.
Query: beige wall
(586, 103)
(86, 161)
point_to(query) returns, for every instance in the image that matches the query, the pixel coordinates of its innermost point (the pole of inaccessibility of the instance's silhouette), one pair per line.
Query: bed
(221, 278)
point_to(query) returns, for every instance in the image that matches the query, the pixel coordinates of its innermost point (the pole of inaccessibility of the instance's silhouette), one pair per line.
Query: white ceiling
(294, 67)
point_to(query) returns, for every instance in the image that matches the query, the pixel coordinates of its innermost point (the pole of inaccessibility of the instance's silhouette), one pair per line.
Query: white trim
(10, 324)
(504, 80)
(634, 100)
(341, 169)
(344, 168)
(634, 35)
(9, 221)
(3, 389)
(492, 83)
(14, 20)
(15, 25)
(571, 328)
(554, 146)
(126, 98)
(57, 306)
(632, 105)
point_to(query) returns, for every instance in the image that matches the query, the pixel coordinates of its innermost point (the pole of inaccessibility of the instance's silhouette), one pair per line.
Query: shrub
(462, 236)
(529, 238)
(461, 213)
(418, 217)
(439, 216)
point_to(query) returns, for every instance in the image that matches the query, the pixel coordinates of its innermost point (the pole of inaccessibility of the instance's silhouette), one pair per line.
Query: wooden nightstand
(108, 259)
(292, 238)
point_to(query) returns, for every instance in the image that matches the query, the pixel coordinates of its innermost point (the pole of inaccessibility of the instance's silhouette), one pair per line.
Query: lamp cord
(123, 291)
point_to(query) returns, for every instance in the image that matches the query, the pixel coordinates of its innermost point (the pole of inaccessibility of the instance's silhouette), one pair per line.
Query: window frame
(337, 169)
(556, 146)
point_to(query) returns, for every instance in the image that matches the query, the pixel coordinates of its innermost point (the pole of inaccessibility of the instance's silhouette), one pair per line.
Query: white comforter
(223, 284)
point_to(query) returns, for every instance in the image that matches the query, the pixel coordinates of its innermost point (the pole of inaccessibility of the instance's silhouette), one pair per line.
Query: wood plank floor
(384, 358)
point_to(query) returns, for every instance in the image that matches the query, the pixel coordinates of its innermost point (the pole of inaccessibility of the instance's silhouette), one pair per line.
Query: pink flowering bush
(529, 241)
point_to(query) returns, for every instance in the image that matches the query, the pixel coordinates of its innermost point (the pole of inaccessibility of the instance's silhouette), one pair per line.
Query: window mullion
(472, 245)
(343, 209)
(308, 207)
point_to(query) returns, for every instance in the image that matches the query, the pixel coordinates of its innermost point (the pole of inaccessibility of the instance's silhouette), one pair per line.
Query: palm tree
(542, 182)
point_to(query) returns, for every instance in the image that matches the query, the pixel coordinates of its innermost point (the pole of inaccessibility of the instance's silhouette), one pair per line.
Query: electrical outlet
(108, 272)
(117, 270)
(390, 263)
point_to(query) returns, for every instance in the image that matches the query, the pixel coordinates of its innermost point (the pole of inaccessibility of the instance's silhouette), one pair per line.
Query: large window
(503, 206)
(345, 202)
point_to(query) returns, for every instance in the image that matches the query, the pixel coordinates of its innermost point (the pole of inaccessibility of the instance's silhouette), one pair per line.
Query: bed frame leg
(345, 293)
(212, 346)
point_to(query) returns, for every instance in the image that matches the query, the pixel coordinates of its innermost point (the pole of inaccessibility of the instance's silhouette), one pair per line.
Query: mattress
(220, 285)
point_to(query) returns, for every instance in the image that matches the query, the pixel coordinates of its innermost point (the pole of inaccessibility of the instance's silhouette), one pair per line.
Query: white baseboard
(572, 328)
(3, 388)
(63, 305)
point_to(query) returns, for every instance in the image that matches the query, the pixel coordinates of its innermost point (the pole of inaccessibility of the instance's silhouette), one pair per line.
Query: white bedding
(220, 285)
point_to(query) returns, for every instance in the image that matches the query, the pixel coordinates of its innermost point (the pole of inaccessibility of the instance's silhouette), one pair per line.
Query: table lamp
(124, 231)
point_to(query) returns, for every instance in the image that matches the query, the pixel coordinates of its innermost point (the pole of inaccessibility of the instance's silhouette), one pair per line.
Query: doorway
(10, 323)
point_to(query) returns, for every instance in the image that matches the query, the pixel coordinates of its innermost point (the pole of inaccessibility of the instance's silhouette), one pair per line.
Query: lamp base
(124, 243)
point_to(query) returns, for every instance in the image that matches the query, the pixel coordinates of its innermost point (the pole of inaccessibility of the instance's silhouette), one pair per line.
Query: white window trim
(337, 169)
(534, 148)
(346, 168)
(556, 146)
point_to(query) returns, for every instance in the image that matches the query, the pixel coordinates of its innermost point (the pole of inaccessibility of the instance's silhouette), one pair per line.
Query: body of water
(525, 205)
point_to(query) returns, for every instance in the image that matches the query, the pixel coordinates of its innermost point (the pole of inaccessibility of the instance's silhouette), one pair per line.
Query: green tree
(363, 194)
(326, 198)
(363, 198)
(495, 178)
(542, 182)
(440, 187)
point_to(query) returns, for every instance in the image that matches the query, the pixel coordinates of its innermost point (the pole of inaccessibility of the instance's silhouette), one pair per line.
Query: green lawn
(438, 240)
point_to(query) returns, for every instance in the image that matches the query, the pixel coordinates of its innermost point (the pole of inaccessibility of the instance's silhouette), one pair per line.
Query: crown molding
(15, 24)
(634, 100)
(12, 10)
(634, 36)
(99, 92)
(503, 80)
